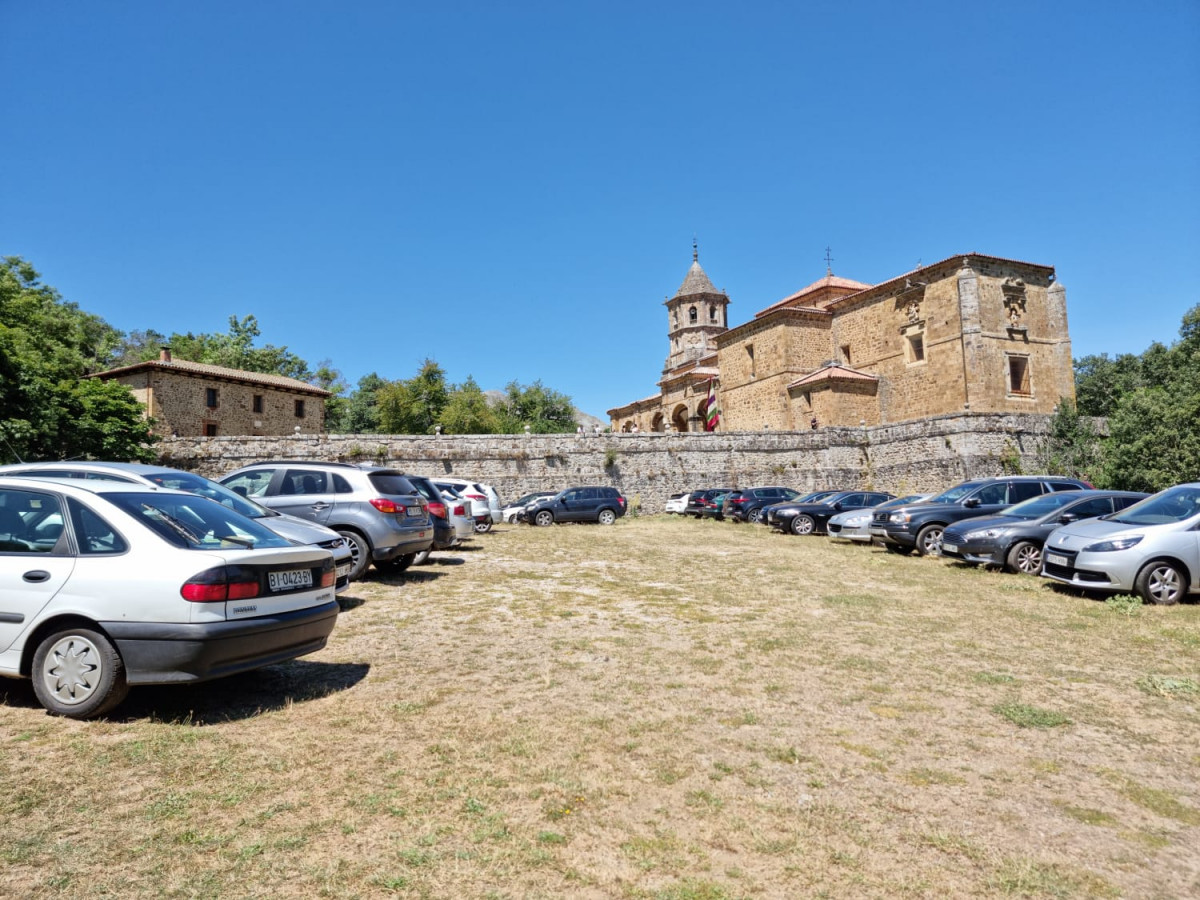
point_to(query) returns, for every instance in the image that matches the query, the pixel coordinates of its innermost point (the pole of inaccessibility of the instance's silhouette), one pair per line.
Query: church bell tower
(695, 316)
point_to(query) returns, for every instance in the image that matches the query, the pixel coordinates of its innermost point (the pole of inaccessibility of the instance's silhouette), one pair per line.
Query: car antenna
(12, 451)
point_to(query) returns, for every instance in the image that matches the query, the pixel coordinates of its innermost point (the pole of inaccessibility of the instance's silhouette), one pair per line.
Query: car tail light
(329, 575)
(460, 511)
(221, 583)
(621, 500)
(388, 506)
(475, 497)
(437, 509)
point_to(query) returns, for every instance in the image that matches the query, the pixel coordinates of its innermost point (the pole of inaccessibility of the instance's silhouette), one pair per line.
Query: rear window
(391, 484)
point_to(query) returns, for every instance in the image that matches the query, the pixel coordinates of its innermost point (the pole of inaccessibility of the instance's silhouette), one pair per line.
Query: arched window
(712, 314)
(692, 315)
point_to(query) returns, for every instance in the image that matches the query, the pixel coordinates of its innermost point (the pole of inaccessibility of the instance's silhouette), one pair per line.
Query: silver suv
(298, 531)
(378, 511)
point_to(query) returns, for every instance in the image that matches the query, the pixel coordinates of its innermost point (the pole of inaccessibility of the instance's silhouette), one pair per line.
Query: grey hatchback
(377, 510)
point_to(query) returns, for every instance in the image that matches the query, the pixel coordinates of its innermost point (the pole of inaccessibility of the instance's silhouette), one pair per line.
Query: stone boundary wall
(923, 456)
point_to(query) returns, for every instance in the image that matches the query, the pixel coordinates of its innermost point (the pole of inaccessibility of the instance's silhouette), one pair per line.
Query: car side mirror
(1068, 518)
(971, 502)
(838, 505)
(241, 489)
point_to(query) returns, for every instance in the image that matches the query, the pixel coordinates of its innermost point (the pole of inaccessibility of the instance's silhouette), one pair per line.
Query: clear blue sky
(512, 188)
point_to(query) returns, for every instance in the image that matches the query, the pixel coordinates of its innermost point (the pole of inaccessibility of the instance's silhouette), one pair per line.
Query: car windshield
(196, 484)
(816, 497)
(1175, 504)
(529, 498)
(955, 493)
(195, 523)
(1036, 507)
(899, 501)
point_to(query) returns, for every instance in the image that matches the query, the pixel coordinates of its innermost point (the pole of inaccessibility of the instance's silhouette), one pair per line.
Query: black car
(697, 501)
(919, 527)
(577, 504)
(747, 505)
(1014, 539)
(810, 517)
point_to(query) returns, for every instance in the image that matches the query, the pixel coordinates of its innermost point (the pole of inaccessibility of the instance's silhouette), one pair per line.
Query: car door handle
(320, 506)
(36, 576)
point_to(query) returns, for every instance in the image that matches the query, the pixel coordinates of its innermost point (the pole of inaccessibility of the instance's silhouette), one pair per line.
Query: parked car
(811, 517)
(105, 584)
(377, 510)
(714, 506)
(919, 526)
(855, 524)
(1013, 540)
(445, 535)
(677, 503)
(577, 504)
(461, 511)
(509, 513)
(1151, 548)
(696, 502)
(484, 499)
(294, 529)
(747, 505)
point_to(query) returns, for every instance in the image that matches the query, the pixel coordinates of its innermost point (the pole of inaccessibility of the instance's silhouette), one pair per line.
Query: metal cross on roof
(828, 262)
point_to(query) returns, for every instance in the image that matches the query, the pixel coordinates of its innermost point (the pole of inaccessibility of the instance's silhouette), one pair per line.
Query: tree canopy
(48, 409)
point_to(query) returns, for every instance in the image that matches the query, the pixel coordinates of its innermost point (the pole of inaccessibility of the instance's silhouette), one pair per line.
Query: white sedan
(105, 585)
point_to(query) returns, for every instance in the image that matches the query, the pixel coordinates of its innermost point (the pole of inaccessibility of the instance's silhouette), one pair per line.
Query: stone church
(969, 334)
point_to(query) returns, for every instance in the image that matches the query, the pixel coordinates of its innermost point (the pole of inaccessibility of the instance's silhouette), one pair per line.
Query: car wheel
(1025, 558)
(483, 527)
(1160, 582)
(803, 525)
(397, 565)
(360, 553)
(754, 516)
(929, 539)
(606, 517)
(544, 517)
(898, 549)
(78, 673)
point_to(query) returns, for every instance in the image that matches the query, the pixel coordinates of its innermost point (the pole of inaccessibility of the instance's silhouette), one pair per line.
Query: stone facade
(648, 468)
(968, 334)
(194, 399)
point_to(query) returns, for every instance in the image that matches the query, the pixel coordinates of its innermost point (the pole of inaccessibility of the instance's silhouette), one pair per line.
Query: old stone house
(971, 333)
(189, 399)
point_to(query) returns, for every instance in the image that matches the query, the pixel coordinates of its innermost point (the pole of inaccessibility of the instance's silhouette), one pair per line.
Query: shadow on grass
(229, 699)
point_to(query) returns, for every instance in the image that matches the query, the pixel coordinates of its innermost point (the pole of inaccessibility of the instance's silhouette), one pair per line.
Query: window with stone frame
(258, 403)
(210, 398)
(299, 409)
(914, 345)
(693, 316)
(1019, 382)
(846, 354)
(750, 355)
(210, 429)
(712, 314)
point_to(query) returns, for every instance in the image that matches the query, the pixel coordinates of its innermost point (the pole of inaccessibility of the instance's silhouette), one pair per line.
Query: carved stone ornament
(912, 309)
(1014, 301)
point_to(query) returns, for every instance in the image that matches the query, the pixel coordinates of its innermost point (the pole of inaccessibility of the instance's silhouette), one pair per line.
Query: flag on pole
(712, 415)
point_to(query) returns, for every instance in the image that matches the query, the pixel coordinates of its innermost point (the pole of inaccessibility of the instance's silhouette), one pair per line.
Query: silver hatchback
(1151, 548)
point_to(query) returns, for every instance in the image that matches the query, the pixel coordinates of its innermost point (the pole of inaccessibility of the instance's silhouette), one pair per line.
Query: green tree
(468, 411)
(48, 409)
(1071, 446)
(233, 349)
(336, 404)
(545, 411)
(362, 412)
(1100, 382)
(413, 406)
(1154, 430)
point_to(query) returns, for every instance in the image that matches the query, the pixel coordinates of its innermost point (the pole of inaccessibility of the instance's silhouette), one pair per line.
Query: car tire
(360, 552)
(78, 673)
(803, 525)
(397, 565)
(483, 527)
(544, 517)
(898, 549)
(929, 539)
(606, 517)
(754, 516)
(1161, 583)
(1025, 558)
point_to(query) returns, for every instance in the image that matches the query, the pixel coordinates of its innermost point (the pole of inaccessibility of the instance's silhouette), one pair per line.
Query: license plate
(948, 549)
(290, 580)
(414, 511)
(343, 570)
(1055, 560)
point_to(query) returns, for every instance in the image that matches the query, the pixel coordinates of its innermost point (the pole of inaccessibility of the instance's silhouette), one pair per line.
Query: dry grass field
(666, 709)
